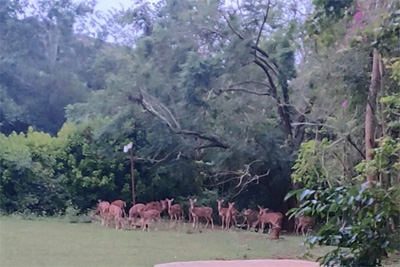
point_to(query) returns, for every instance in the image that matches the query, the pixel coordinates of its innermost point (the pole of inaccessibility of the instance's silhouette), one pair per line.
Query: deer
(175, 211)
(102, 210)
(148, 216)
(159, 205)
(190, 216)
(134, 212)
(302, 223)
(116, 212)
(232, 214)
(121, 204)
(152, 205)
(250, 217)
(266, 216)
(198, 212)
(222, 212)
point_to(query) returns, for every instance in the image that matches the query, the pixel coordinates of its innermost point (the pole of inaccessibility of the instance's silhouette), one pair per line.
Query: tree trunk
(133, 178)
(370, 125)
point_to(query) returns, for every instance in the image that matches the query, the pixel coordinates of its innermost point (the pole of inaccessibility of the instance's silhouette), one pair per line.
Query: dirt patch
(242, 263)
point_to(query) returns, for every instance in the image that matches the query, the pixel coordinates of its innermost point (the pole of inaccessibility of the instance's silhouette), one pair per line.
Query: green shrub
(358, 221)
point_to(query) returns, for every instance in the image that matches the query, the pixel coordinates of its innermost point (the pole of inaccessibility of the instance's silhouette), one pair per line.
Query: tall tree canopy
(244, 100)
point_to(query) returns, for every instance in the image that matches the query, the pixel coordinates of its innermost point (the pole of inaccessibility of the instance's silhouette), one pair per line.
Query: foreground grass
(54, 243)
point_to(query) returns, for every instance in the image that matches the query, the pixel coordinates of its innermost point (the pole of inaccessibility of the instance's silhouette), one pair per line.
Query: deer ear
(259, 207)
(172, 199)
(195, 200)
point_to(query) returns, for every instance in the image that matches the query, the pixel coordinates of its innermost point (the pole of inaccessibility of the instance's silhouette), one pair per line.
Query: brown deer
(232, 214)
(102, 210)
(223, 213)
(175, 211)
(148, 216)
(302, 223)
(120, 203)
(156, 205)
(198, 212)
(163, 206)
(134, 212)
(250, 217)
(266, 216)
(116, 212)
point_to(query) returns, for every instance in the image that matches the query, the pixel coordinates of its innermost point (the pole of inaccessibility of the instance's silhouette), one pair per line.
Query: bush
(358, 221)
(71, 214)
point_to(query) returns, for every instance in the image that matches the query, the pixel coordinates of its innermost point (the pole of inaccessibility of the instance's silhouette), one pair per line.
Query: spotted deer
(102, 210)
(175, 211)
(302, 223)
(198, 212)
(222, 212)
(134, 213)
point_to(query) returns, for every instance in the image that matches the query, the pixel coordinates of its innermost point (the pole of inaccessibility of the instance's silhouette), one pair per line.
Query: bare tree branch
(261, 28)
(214, 140)
(214, 31)
(154, 160)
(219, 91)
(252, 82)
(173, 124)
(346, 169)
(355, 146)
(272, 67)
(249, 181)
(231, 27)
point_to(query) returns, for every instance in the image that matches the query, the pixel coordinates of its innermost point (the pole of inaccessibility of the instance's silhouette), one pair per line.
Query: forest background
(241, 100)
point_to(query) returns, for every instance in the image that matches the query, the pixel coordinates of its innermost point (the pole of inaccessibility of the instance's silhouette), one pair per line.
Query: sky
(105, 5)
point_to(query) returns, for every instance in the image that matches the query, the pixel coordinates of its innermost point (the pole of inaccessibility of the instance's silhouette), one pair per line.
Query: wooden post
(132, 178)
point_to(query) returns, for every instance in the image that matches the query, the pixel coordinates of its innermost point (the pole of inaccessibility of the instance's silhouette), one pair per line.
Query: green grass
(50, 242)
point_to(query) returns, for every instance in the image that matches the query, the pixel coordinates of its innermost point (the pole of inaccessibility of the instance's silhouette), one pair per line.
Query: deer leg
(193, 222)
(102, 219)
(121, 223)
(107, 220)
(207, 222)
(133, 222)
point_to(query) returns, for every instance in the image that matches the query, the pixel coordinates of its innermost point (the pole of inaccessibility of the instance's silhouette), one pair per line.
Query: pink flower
(345, 103)
(358, 15)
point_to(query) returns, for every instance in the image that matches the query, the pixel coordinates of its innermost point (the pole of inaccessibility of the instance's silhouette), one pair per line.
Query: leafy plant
(357, 220)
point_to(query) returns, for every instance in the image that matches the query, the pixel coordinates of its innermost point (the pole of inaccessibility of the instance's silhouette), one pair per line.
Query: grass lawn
(49, 242)
(54, 243)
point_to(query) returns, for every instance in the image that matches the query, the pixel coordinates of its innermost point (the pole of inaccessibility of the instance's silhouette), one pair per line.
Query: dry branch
(159, 110)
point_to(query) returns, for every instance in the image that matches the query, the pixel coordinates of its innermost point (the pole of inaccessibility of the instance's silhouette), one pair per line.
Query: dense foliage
(351, 215)
(243, 101)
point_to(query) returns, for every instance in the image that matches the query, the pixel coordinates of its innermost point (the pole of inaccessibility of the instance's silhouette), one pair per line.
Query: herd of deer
(152, 212)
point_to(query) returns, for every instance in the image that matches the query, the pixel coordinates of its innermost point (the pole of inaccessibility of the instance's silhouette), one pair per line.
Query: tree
(174, 85)
(42, 60)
